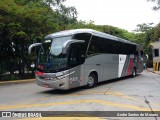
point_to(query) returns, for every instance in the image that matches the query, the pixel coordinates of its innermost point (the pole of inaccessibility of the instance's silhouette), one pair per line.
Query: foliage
(23, 22)
(157, 6)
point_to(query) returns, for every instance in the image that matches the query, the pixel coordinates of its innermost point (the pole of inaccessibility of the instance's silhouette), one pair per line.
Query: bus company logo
(6, 114)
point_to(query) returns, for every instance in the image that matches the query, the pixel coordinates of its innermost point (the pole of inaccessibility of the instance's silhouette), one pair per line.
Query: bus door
(75, 59)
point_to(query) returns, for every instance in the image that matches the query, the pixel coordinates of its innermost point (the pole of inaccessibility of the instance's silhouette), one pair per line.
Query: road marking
(74, 94)
(120, 94)
(18, 81)
(117, 94)
(114, 93)
(100, 102)
(132, 98)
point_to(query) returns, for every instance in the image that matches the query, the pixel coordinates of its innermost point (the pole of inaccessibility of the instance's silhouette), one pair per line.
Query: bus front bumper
(62, 84)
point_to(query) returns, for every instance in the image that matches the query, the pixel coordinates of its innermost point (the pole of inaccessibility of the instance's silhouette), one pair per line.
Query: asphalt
(140, 94)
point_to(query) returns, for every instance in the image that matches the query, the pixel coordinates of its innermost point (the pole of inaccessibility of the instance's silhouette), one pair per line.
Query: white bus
(84, 57)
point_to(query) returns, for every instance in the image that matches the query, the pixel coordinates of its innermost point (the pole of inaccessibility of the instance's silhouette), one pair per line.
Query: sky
(125, 14)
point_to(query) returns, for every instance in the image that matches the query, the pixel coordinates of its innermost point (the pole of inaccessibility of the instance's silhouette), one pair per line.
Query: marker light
(40, 73)
(40, 67)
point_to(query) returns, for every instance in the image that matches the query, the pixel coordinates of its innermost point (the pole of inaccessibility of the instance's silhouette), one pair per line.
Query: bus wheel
(134, 72)
(92, 80)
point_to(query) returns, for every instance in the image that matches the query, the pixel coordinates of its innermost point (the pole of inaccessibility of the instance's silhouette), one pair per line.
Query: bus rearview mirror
(32, 46)
(68, 43)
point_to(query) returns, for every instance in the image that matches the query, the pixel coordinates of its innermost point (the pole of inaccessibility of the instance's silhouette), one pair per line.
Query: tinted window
(156, 52)
(104, 45)
(74, 56)
(94, 46)
(83, 36)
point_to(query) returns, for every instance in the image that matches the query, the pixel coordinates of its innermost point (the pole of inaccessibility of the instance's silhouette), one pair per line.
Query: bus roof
(91, 31)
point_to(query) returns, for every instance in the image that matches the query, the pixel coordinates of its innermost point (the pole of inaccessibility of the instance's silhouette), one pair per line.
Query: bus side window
(91, 49)
(94, 47)
(73, 56)
(83, 36)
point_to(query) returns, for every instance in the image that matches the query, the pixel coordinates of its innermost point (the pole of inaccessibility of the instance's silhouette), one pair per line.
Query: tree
(156, 7)
(66, 15)
(142, 28)
(23, 22)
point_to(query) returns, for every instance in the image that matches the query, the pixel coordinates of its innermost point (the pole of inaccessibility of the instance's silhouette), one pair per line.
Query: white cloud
(124, 14)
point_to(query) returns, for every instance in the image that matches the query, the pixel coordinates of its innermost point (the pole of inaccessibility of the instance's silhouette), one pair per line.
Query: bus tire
(92, 81)
(134, 72)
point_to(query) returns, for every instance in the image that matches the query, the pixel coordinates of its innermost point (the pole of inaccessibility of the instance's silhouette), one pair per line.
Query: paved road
(141, 93)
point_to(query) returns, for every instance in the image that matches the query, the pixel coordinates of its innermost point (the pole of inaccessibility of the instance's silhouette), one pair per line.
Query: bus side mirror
(68, 43)
(33, 45)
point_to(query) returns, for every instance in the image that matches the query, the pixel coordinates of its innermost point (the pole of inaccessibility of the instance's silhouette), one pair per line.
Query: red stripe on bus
(130, 66)
(39, 73)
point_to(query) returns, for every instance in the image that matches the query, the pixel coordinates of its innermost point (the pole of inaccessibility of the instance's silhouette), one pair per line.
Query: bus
(84, 57)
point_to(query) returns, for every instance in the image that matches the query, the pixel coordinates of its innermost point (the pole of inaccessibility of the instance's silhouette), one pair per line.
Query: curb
(153, 71)
(17, 81)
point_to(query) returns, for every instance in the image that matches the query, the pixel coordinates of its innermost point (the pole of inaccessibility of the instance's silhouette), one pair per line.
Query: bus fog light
(60, 85)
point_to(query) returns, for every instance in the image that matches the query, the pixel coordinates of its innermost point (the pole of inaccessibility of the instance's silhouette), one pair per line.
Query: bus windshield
(50, 55)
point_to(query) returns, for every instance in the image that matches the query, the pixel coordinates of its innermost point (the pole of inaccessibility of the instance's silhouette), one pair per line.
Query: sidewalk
(17, 81)
(151, 70)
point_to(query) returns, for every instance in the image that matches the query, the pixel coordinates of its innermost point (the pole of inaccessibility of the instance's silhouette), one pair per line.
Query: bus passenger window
(91, 50)
(74, 56)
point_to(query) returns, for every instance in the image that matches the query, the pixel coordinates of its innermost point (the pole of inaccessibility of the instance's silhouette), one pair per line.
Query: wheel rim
(90, 81)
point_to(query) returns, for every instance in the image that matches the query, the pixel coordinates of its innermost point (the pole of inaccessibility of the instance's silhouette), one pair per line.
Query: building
(156, 55)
